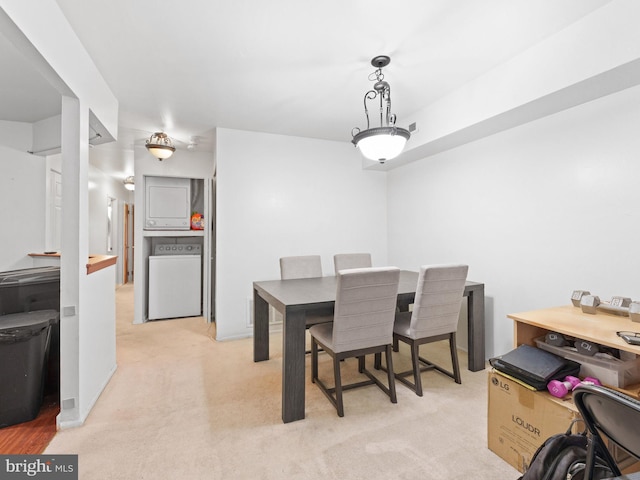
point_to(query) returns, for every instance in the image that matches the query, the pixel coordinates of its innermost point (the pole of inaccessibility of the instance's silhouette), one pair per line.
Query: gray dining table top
(322, 289)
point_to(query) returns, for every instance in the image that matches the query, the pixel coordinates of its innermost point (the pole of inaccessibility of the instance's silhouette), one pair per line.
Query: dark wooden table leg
(260, 328)
(293, 365)
(475, 312)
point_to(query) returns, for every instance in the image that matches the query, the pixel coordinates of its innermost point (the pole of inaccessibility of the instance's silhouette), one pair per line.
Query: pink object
(590, 381)
(560, 389)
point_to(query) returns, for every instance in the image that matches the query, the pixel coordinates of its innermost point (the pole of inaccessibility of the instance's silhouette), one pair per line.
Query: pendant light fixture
(386, 141)
(160, 145)
(129, 183)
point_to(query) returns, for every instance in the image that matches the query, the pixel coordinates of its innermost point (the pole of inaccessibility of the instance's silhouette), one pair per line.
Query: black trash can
(30, 289)
(24, 341)
(33, 289)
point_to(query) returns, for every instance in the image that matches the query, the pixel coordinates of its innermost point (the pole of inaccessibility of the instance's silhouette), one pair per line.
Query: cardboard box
(520, 419)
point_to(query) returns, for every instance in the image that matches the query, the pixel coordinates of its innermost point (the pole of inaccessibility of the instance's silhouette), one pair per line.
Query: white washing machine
(175, 285)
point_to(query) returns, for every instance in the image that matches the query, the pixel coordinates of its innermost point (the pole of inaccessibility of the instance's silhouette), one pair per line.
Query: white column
(75, 199)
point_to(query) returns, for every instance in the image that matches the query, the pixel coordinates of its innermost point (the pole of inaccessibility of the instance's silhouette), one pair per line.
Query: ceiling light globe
(129, 183)
(160, 151)
(381, 143)
(160, 145)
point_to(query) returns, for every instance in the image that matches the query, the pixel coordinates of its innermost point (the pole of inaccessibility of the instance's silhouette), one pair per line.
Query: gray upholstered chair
(434, 317)
(302, 266)
(305, 266)
(362, 325)
(345, 261)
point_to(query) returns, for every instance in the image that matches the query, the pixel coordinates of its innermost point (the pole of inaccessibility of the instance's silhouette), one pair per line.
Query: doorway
(127, 242)
(54, 215)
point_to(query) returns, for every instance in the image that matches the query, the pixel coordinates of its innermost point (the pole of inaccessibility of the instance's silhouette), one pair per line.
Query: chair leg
(454, 358)
(390, 375)
(377, 361)
(338, 387)
(415, 359)
(360, 364)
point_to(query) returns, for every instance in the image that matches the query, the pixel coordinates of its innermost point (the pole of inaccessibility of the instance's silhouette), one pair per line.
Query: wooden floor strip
(31, 438)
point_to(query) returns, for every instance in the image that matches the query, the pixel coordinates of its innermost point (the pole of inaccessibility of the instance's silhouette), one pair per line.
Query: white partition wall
(44, 36)
(280, 195)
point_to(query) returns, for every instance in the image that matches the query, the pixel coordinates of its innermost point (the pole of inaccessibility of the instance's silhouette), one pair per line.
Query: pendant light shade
(160, 146)
(381, 143)
(129, 183)
(386, 141)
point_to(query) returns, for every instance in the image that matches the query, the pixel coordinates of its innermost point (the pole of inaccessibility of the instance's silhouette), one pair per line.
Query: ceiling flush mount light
(386, 141)
(129, 183)
(160, 146)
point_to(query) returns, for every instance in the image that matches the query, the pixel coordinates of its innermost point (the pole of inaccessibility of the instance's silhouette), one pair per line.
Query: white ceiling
(292, 67)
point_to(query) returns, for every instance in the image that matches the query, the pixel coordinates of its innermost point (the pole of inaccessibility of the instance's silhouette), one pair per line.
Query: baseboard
(78, 422)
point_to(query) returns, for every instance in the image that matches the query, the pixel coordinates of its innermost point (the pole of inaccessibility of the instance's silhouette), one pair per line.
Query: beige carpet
(183, 406)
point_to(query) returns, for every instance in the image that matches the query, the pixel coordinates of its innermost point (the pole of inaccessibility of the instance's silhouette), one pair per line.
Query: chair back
(365, 307)
(347, 261)
(438, 299)
(303, 266)
(611, 413)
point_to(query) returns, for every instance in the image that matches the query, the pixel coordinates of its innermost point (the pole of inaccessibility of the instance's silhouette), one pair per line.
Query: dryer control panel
(178, 249)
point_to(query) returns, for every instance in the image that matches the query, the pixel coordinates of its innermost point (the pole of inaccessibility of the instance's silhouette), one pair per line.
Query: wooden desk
(294, 298)
(600, 328)
(569, 320)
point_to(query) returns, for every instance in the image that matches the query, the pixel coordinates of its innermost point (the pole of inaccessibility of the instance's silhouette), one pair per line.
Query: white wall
(23, 186)
(183, 163)
(102, 186)
(537, 211)
(46, 39)
(278, 196)
(16, 135)
(22, 191)
(98, 340)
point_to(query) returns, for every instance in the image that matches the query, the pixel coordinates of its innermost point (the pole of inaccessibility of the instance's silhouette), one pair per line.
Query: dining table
(295, 298)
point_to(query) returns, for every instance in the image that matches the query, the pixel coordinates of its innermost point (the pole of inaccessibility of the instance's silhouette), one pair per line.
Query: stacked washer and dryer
(175, 281)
